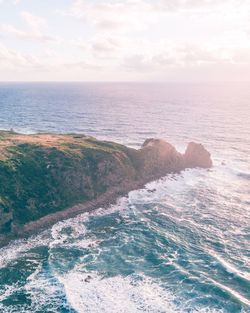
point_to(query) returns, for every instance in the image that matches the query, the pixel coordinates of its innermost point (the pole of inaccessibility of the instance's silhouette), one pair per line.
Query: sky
(125, 40)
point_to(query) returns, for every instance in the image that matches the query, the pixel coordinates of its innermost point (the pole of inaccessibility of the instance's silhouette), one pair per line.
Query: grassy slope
(41, 174)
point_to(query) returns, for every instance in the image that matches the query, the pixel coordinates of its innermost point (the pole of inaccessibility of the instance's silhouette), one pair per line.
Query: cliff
(44, 174)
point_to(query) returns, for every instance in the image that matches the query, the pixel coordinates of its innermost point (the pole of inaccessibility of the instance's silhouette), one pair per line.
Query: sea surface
(181, 244)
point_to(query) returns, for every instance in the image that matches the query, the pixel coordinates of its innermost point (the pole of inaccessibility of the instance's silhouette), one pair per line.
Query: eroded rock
(197, 156)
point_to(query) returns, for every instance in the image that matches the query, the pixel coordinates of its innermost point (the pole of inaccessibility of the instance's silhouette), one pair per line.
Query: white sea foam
(115, 295)
(8, 291)
(75, 226)
(43, 290)
(18, 247)
(121, 295)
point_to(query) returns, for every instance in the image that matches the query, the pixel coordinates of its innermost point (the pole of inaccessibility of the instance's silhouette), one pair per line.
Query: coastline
(104, 200)
(47, 178)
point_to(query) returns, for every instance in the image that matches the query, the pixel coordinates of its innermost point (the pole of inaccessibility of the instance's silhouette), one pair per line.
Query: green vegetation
(42, 174)
(46, 173)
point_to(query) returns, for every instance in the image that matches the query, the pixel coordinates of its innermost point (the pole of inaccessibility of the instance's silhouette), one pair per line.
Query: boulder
(197, 156)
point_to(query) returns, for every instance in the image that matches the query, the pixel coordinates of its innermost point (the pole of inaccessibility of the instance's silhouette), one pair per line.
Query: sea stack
(197, 156)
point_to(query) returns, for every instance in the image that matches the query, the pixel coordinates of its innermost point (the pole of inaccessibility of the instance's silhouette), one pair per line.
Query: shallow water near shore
(181, 244)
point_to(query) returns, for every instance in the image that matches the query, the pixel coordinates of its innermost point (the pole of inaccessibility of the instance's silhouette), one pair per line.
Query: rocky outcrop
(197, 156)
(160, 157)
(44, 175)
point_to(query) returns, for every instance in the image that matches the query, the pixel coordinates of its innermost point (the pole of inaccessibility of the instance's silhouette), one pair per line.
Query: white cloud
(184, 56)
(172, 5)
(137, 14)
(11, 1)
(105, 46)
(120, 16)
(13, 60)
(34, 21)
(35, 31)
(27, 35)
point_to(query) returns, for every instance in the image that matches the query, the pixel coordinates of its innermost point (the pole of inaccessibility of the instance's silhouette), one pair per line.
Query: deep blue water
(185, 247)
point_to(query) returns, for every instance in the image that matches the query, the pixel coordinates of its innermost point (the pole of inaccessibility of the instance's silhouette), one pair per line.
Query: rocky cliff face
(197, 156)
(45, 173)
(158, 157)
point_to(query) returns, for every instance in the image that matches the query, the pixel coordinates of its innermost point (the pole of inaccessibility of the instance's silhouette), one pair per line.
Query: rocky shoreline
(105, 200)
(45, 178)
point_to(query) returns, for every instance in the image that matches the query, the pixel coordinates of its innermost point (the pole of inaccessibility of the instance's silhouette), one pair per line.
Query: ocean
(181, 244)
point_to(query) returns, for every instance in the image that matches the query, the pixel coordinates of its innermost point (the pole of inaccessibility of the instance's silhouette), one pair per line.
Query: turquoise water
(181, 244)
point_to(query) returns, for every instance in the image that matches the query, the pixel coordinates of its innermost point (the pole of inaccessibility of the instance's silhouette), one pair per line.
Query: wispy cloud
(13, 60)
(120, 16)
(34, 21)
(27, 35)
(34, 30)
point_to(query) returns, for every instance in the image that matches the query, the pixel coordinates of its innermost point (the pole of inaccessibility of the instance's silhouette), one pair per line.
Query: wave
(230, 267)
(91, 293)
(176, 218)
(230, 291)
(16, 248)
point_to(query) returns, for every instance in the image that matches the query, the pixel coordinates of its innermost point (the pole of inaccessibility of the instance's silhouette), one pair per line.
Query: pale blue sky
(125, 40)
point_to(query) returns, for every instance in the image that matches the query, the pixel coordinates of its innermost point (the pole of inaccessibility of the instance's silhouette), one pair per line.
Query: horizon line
(121, 81)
